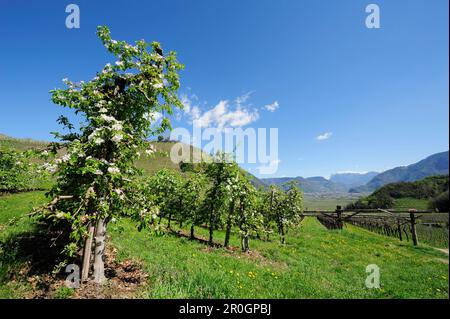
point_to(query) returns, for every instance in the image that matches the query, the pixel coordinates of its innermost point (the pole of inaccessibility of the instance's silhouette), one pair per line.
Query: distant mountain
(436, 164)
(256, 181)
(351, 180)
(316, 184)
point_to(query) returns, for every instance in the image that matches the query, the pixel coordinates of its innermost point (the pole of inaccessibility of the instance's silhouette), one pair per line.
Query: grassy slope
(149, 164)
(20, 144)
(316, 263)
(13, 206)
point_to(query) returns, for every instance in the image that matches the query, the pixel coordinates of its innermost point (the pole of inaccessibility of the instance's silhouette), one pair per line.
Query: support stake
(413, 229)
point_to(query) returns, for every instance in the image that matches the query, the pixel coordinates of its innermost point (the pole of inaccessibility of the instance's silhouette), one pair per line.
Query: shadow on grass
(202, 240)
(32, 253)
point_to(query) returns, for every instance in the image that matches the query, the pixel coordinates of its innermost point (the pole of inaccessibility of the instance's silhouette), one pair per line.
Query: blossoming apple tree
(95, 178)
(249, 218)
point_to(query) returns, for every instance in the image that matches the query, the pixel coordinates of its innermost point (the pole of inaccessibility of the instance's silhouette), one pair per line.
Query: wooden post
(413, 229)
(339, 222)
(399, 230)
(99, 263)
(87, 254)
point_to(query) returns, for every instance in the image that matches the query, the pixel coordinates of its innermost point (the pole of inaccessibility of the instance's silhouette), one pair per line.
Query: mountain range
(436, 164)
(317, 184)
(351, 179)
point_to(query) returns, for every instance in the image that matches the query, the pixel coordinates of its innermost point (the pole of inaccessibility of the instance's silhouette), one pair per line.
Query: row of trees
(18, 172)
(219, 195)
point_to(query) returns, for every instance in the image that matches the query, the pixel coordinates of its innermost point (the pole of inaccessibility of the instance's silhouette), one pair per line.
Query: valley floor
(314, 263)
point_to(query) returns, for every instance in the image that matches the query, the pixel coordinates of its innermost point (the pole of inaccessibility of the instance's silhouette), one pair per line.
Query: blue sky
(381, 93)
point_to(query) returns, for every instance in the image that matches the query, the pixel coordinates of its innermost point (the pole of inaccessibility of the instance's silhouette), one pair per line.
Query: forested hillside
(431, 190)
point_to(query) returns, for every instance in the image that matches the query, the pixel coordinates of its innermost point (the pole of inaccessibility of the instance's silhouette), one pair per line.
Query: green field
(411, 203)
(315, 262)
(328, 202)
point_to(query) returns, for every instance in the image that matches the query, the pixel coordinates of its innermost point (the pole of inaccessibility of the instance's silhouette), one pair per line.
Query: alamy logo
(73, 19)
(373, 279)
(373, 19)
(250, 146)
(73, 279)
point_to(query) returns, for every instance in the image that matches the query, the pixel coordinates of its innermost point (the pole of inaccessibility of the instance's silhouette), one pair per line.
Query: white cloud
(352, 172)
(243, 98)
(222, 114)
(272, 107)
(324, 136)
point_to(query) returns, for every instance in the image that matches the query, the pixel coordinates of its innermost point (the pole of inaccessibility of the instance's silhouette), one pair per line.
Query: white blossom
(120, 193)
(113, 170)
(99, 141)
(158, 85)
(98, 172)
(65, 158)
(50, 167)
(117, 138)
(108, 118)
(117, 127)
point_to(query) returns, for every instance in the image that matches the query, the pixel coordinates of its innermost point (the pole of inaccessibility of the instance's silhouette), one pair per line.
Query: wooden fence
(336, 219)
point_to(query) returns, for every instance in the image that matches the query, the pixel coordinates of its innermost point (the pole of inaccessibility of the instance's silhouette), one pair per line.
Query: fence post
(339, 222)
(399, 230)
(413, 229)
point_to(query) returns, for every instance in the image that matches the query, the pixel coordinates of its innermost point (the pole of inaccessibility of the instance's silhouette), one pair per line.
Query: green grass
(315, 263)
(328, 202)
(21, 144)
(12, 206)
(161, 159)
(411, 203)
(15, 205)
